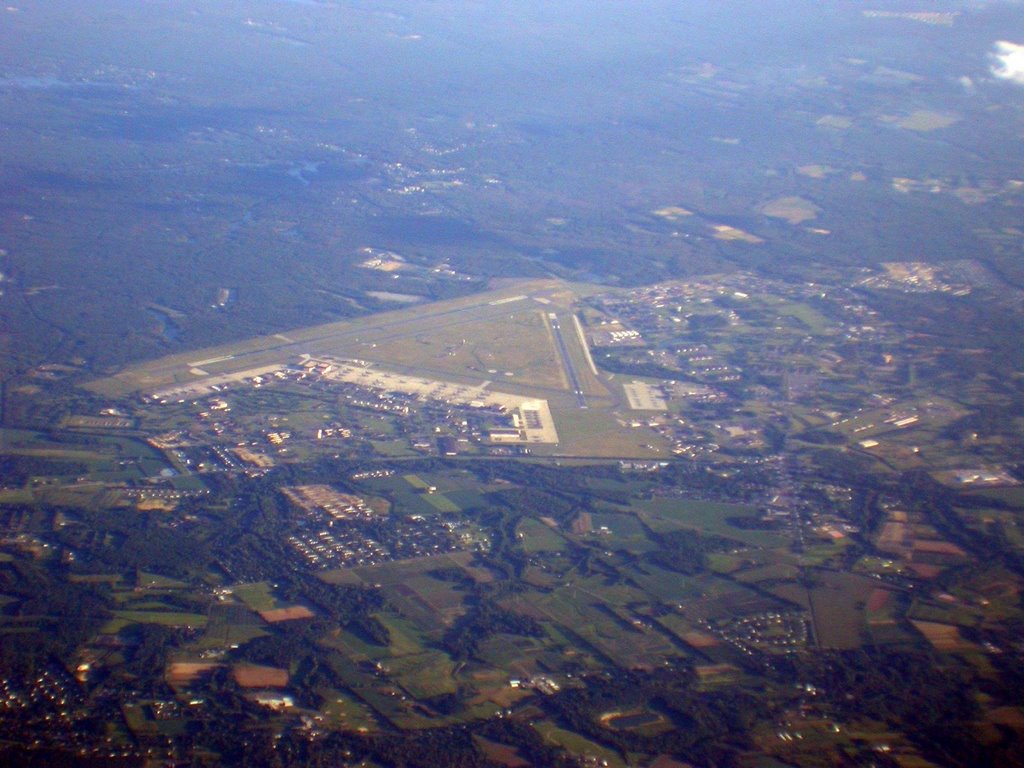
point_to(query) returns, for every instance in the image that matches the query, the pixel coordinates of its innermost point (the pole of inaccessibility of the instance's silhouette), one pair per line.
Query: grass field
(688, 632)
(424, 675)
(719, 598)
(123, 619)
(595, 432)
(230, 625)
(340, 576)
(666, 586)
(405, 636)
(156, 581)
(772, 572)
(814, 320)
(707, 517)
(1012, 496)
(605, 627)
(500, 753)
(257, 596)
(515, 656)
(392, 448)
(416, 482)
(621, 530)
(411, 494)
(535, 536)
(105, 458)
(441, 503)
(578, 745)
(343, 711)
(943, 613)
(466, 499)
(518, 342)
(400, 571)
(16, 496)
(368, 690)
(428, 602)
(838, 604)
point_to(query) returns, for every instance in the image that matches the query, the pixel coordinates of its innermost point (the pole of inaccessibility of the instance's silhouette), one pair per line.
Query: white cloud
(1008, 61)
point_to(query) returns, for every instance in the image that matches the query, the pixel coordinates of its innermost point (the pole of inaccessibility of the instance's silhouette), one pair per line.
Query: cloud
(1008, 61)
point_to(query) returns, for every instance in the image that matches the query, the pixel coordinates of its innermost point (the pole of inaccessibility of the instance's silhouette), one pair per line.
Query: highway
(570, 369)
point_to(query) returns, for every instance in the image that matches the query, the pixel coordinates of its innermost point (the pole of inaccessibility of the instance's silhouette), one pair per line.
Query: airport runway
(363, 332)
(360, 330)
(570, 369)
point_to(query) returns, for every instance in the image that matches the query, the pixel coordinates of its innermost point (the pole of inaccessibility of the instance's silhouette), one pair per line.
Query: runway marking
(198, 363)
(570, 370)
(509, 300)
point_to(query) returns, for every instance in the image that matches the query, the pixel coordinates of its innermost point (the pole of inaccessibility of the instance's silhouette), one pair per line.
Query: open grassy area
(441, 503)
(258, 596)
(428, 602)
(340, 576)
(103, 455)
(1012, 496)
(577, 744)
(400, 571)
(123, 619)
(342, 711)
(596, 432)
(392, 448)
(405, 636)
(838, 604)
(607, 626)
(621, 530)
(16, 496)
(535, 536)
(230, 625)
(707, 517)
(663, 585)
(810, 317)
(516, 343)
(424, 675)
(156, 581)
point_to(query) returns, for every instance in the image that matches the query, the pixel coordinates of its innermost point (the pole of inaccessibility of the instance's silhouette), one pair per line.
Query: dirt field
(943, 637)
(700, 639)
(892, 537)
(254, 676)
(938, 547)
(181, 674)
(286, 614)
(878, 599)
(501, 753)
(582, 524)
